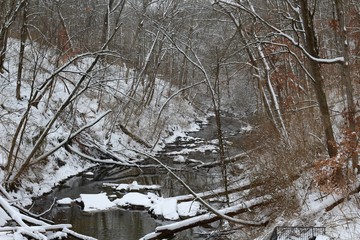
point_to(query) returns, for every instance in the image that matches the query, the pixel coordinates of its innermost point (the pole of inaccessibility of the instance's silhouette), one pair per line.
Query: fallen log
(170, 229)
(232, 159)
(218, 192)
(134, 137)
(29, 226)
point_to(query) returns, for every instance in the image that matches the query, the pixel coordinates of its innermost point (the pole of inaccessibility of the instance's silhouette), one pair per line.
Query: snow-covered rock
(65, 201)
(188, 209)
(96, 202)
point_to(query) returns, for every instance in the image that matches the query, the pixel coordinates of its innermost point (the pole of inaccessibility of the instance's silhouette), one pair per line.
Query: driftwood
(170, 229)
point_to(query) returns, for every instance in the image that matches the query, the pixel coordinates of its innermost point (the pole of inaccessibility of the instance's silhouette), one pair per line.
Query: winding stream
(133, 224)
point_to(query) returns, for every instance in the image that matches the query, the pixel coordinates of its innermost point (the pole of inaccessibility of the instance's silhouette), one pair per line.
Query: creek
(133, 224)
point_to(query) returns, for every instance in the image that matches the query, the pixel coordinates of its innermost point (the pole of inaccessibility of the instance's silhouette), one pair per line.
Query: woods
(107, 82)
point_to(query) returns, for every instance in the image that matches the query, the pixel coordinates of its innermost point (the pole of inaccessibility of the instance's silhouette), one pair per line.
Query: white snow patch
(136, 199)
(65, 201)
(168, 208)
(96, 202)
(3, 217)
(188, 209)
(179, 159)
(322, 237)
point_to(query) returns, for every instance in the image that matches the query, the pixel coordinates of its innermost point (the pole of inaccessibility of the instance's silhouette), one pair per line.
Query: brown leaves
(337, 173)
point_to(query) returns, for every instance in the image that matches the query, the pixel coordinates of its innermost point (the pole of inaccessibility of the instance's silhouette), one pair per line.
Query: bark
(218, 192)
(255, 66)
(346, 77)
(134, 136)
(73, 95)
(7, 21)
(3, 44)
(315, 69)
(169, 230)
(23, 37)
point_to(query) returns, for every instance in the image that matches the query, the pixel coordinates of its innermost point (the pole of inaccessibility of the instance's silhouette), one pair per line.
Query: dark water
(130, 224)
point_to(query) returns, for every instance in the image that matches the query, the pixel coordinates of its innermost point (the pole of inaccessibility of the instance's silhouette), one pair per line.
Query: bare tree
(303, 37)
(23, 37)
(8, 14)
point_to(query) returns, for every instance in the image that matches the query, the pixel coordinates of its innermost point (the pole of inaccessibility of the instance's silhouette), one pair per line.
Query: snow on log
(136, 199)
(96, 202)
(166, 208)
(134, 186)
(188, 209)
(218, 192)
(170, 229)
(65, 201)
(232, 159)
(28, 226)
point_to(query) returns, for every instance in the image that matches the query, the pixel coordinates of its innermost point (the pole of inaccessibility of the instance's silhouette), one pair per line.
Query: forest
(267, 91)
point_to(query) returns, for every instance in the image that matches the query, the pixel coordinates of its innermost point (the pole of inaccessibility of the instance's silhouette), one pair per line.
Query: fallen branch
(36, 228)
(197, 197)
(232, 159)
(71, 136)
(97, 160)
(170, 229)
(29, 226)
(218, 192)
(134, 137)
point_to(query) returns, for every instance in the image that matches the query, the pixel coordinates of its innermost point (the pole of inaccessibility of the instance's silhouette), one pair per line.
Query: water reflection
(114, 224)
(128, 225)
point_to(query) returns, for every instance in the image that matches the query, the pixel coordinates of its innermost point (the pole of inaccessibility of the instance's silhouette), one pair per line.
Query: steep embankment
(70, 109)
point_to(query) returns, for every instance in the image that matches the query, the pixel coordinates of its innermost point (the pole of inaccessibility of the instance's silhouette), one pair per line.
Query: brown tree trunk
(346, 78)
(3, 44)
(318, 81)
(22, 50)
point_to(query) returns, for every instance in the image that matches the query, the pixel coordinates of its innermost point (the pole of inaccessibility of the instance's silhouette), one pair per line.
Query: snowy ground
(86, 108)
(343, 222)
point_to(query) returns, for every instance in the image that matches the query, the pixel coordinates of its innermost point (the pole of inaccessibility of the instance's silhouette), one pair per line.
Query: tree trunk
(3, 44)
(22, 50)
(346, 77)
(315, 69)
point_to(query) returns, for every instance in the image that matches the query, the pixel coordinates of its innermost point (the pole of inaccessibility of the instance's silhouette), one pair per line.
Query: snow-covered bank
(106, 88)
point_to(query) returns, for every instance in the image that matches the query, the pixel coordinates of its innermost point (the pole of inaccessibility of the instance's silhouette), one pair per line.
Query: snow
(188, 209)
(180, 117)
(96, 202)
(168, 208)
(65, 201)
(88, 174)
(136, 199)
(3, 217)
(134, 186)
(179, 159)
(322, 237)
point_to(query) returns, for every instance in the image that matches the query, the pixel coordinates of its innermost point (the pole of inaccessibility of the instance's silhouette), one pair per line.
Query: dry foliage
(278, 165)
(337, 173)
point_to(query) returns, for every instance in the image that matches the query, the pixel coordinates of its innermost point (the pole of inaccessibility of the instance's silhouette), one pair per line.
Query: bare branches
(251, 10)
(170, 229)
(29, 226)
(218, 213)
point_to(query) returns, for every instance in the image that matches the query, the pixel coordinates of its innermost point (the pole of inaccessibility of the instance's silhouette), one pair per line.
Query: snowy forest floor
(295, 199)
